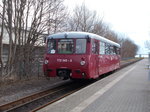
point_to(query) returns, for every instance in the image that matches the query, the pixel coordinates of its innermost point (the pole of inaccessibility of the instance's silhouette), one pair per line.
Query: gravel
(17, 90)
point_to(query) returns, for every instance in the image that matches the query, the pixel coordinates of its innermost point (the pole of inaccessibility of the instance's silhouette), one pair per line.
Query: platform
(127, 90)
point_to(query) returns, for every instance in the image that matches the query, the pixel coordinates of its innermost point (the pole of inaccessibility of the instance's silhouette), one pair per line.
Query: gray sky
(130, 17)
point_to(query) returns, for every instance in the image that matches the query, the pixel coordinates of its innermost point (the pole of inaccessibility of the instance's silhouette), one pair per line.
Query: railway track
(43, 98)
(30, 103)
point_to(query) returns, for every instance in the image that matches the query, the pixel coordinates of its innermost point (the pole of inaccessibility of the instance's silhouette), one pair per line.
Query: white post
(149, 66)
(149, 57)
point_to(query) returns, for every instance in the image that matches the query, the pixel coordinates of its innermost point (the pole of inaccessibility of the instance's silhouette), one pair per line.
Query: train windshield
(80, 46)
(65, 46)
(51, 44)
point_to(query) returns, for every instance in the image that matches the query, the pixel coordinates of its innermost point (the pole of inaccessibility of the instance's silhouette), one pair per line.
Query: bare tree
(85, 20)
(1, 36)
(57, 17)
(82, 19)
(100, 28)
(112, 35)
(25, 22)
(128, 48)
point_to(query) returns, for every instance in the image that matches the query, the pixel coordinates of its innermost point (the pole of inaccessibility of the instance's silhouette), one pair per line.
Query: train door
(101, 57)
(95, 58)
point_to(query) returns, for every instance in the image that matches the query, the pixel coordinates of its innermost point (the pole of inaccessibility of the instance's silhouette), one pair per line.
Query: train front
(66, 57)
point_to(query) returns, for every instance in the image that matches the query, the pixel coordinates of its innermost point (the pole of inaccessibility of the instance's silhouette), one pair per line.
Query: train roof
(81, 35)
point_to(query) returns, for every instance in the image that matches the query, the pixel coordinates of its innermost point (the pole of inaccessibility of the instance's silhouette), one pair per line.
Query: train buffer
(127, 90)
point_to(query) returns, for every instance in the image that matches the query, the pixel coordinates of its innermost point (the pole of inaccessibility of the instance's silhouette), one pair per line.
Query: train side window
(115, 50)
(112, 50)
(102, 48)
(94, 47)
(80, 46)
(107, 49)
(51, 46)
(118, 50)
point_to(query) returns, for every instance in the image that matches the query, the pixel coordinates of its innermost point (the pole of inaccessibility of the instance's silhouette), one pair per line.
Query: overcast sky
(130, 17)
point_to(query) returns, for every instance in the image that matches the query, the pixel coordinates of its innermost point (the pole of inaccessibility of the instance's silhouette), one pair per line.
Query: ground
(13, 91)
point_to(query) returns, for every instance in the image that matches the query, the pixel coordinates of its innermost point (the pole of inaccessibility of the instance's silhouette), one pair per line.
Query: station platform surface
(127, 90)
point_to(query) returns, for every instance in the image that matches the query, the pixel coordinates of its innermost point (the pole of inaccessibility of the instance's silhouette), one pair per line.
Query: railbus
(80, 55)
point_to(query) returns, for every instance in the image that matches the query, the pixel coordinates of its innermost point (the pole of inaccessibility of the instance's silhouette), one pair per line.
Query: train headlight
(82, 63)
(46, 62)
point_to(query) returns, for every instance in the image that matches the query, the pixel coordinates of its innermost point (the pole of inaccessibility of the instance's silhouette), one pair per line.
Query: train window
(80, 46)
(102, 48)
(118, 50)
(107, 48)
(115, 50)
(94, 47)
(112, 50)
(65, 46)
(51, 46)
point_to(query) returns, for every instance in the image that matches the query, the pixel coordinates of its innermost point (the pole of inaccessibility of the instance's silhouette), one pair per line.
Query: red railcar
(80, 55)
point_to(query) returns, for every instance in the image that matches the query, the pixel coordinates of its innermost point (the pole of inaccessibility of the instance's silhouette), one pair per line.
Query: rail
(36, 100)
